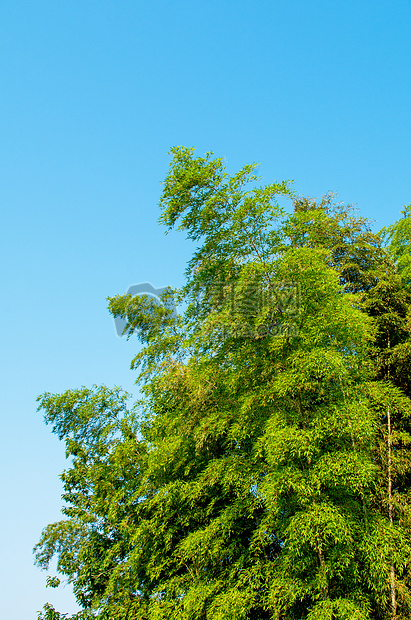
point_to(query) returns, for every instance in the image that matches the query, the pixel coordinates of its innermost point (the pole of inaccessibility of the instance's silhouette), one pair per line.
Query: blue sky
(93, 95)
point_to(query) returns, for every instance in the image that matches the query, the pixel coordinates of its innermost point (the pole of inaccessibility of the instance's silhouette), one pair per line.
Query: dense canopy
(264, 474)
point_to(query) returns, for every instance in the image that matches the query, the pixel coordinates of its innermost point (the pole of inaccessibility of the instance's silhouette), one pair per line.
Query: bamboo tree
(247, 482)
(388, 303)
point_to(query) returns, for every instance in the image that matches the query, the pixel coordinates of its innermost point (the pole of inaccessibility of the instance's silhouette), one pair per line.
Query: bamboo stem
(391, 515)
(390, 502)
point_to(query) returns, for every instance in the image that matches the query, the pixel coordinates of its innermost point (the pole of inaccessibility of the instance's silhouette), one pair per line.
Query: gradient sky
(93, 95)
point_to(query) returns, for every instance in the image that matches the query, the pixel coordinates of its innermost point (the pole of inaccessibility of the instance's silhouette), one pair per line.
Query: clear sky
(93, 95)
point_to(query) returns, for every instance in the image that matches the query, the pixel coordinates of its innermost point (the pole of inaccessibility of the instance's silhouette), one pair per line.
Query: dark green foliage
(265, 473)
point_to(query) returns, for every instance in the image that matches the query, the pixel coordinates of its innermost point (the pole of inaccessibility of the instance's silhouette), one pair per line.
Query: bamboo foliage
(264, 474)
